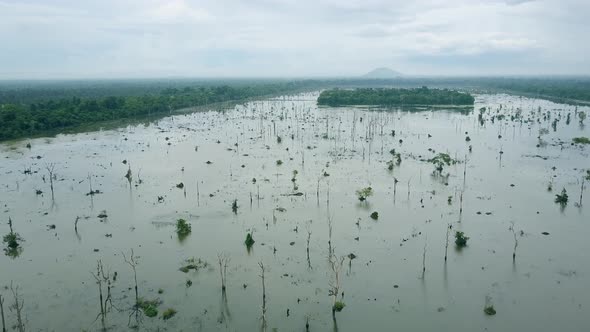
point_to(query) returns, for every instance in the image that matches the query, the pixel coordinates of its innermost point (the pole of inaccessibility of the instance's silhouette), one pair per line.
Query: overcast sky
(291, 38)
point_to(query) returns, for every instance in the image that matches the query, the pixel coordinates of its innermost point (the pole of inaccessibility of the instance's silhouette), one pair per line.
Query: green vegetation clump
(440, 160)
(581, 140)
(12, 240)
(375, 215)
(249, 240)
(35, 110)
(390, 97)
(168, 313)
(279, 162)
(193, 264)
(562, 198)
(149, 307)
(182, 227)
(461, 239)
(234, 206)
(338, 306)
(489, 310)
(364, 193)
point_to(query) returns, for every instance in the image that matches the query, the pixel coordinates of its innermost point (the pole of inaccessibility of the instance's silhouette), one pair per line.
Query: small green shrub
(149, 307)
(168, 313)
(12, 240)
(461, 239)
(182, 227)
(581, 140)
(375, 215)
(561, 198)
(249, 240)
(364, 193)
(489, 310)
(193, 264)
(279, 162)
(338, 306)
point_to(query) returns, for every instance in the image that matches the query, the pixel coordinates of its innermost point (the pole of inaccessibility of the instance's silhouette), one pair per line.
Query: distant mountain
(382, 73)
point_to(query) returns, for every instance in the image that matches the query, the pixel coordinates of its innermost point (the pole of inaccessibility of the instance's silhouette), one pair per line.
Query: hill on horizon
(381, 73)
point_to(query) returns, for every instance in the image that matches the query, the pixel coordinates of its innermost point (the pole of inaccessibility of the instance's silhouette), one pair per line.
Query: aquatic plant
(440, 160)
(561, 198)
(149, 307)
(234, 206)
(182, 227)
(338, 306)
(168, 313)
(364, 193)
(489, 310)
(193, 264)
(460, 239)
(581, 140)
(249, 240)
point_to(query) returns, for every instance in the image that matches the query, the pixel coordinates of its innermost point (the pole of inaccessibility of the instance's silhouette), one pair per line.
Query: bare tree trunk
(2, 313)
(447, 241)
(50, 169)
(262, 269)
(132, 262)
(223, 260)
(18, 307)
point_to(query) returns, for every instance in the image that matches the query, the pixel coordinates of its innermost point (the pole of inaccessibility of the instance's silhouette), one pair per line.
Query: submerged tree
(440, 160)
(562, 198)
(461, 239)
(364, 193)
(12, 242)
(335, 290)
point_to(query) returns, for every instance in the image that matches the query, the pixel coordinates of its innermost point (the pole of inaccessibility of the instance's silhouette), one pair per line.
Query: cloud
(151, 38)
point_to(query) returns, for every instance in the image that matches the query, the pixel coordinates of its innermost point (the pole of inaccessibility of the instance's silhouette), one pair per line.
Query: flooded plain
(509, 161)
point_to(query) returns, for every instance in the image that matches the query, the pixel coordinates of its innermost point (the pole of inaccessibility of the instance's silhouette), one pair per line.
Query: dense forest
(387, 97)
(39, 113)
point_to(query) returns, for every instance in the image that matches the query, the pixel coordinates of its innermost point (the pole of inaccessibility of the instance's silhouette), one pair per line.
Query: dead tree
(18, 307)
(263, 270)
(515, 241)
(223, 260)
(581, 192)
(330, 225)
(51, 169)
(308, 239)
(105, 301)
(335, 288)
(132, 262)
(2, 314)
(447, 241)
(424, 257)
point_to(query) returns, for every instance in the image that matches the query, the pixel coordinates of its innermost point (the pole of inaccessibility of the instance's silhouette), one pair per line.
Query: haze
(291, 38)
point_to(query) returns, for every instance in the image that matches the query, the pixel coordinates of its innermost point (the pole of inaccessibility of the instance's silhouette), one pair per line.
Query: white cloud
(69, 38)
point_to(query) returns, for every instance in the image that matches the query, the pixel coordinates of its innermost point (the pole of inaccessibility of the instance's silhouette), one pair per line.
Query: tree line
(24, 119)
(388, 97)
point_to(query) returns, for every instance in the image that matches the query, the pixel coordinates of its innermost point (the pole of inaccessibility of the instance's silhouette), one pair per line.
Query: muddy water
(335, 152)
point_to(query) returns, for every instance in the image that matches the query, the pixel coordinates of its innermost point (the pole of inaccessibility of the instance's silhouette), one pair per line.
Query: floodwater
(503, 181)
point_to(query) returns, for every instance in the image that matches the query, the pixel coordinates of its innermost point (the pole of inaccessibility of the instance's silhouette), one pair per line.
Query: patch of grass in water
(581, 140)
(182, 227)
(489, 310)
(194, 264)
(168, 313)
(149, 307)
(461, 239)
(338, 306)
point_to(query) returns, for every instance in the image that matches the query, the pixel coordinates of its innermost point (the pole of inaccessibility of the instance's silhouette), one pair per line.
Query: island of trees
(394, 97)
